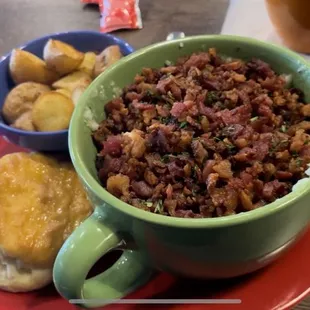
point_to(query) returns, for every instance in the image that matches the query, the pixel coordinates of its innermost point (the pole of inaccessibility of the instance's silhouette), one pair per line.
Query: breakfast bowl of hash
(196, 157)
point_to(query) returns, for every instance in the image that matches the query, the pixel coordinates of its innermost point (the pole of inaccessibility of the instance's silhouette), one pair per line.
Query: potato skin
(52, 111)
(106, 58)
(61, 57)
(65, 92)
(26, 67)
(21, 99)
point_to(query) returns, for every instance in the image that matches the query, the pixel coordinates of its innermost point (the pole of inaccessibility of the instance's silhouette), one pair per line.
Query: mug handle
(93, 238)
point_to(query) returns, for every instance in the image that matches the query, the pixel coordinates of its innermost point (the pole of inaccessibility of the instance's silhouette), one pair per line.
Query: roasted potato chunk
(61, 57)
(24, 122)
(26, 67)
(73, 80)
(88, 63)
(21, 99)
(106, 58)
(52, 111)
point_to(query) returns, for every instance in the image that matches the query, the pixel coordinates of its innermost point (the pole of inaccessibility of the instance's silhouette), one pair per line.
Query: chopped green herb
(278, 144)
(298, 161)
(227, 143)
(272, 148)
(183, 124)
(149, 92)
(229, 146)
(207, 69)
(185, 154)
(294, 154)
(170, 95)
(217, 139)
(283, 142)
(283, 128)
(212, 97)
(164, 120)
(153, 97)
(159, 207)
(168, 63)
(194, 170)
(168, 99)
(253, 119)
(220, 105)
(149, 204)
(165, 158)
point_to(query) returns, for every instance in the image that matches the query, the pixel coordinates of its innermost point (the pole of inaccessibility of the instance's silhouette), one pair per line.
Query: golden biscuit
(41, 202)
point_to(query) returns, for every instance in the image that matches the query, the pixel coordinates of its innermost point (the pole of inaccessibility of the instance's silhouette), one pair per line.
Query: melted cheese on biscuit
(41, 203)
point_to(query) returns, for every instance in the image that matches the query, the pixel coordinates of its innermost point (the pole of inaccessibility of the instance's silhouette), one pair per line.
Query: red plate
(279, 286)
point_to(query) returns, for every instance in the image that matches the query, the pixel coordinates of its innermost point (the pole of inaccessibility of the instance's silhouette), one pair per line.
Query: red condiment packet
(90, 1)
(119, 14)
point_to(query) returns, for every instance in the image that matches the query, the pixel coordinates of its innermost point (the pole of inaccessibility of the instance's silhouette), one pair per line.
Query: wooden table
(38, 17)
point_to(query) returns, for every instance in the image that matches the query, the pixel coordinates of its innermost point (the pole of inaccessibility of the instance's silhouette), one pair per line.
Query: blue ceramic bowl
(81, 40)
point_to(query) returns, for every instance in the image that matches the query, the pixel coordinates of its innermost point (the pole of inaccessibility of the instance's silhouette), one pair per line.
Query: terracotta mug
(292, 23)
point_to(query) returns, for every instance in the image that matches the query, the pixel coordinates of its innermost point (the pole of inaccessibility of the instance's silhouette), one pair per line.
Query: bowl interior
(108, 85)
(82, 40)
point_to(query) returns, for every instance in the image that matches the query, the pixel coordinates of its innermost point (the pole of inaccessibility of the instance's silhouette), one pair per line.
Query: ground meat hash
(206, 137)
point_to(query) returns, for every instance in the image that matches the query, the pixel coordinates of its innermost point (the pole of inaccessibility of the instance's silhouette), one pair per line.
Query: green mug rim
(106, 197)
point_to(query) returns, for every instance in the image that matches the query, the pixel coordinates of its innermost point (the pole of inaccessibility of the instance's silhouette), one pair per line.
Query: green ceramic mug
(201, 248)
